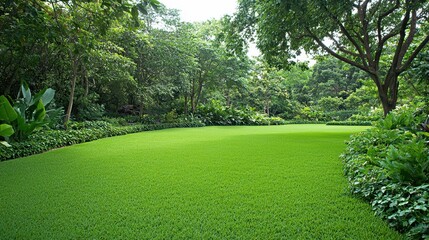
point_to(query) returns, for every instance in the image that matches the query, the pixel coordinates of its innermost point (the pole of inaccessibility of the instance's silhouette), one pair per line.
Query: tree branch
(402, 34)
(410, 37)
(347, 34)
(382, 16)
(336, 55)
(342, 48)
(362, 16)
(416, 52)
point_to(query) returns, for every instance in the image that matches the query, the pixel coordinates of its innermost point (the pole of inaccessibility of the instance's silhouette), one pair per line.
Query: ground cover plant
(388, 165)
(265, 182)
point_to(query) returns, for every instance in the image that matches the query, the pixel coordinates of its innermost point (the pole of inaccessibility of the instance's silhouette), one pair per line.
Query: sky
(201, 10)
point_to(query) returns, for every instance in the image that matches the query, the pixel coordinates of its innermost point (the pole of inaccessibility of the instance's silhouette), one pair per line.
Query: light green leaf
(48, 95)
(5, 143)
(26, 93)
(6, 130)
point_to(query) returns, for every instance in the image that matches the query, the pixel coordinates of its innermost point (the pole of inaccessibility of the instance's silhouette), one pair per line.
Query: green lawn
(215, 182)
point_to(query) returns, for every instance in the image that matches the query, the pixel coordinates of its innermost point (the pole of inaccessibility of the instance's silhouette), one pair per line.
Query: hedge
(350, 123)
(43, 141)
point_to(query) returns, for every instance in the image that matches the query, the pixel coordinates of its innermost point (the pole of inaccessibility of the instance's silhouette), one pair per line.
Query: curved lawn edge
(44, 141)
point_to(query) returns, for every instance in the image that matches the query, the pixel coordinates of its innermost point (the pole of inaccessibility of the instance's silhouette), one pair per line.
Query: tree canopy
(380, 37)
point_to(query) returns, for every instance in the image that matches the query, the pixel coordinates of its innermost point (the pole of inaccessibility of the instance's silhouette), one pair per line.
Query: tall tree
(380, 37)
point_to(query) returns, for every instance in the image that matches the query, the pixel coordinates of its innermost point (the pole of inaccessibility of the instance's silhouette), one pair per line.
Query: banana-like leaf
(6, 130)
(4, 143)
(40, 113)
(7, 113)
(47, 96)
(22, 125)
(26, 93)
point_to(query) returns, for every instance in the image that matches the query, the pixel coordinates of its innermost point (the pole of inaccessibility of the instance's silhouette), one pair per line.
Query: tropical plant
(27, 113)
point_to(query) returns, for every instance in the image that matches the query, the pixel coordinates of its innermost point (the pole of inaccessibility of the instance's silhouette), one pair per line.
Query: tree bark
(193, 96)
(185, 106)
(200, 89)
(72, 87)
(388, 93)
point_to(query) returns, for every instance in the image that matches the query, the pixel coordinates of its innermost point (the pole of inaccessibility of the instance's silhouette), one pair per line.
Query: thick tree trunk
(388, 93)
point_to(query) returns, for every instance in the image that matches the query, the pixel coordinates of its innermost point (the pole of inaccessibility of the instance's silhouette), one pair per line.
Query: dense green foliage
(125, 66)
(350, 123)
(388, 165)
(27, 113)
(382, 37)
(119, 62)
(212, 182)
(218, 115)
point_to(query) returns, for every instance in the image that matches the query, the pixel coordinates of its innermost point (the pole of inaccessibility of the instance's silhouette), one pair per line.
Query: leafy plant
(215, 113)
(27, 113)
(78, 132)
(408, 163)
(7, 114)
(388, 165)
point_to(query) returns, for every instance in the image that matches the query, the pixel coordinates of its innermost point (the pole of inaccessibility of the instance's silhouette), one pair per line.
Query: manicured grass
(216, 182)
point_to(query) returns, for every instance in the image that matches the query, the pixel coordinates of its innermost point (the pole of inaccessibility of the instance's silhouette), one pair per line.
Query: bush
(304, 122)
(218, 115)
(78, 132)
(404, 208)
(339, 115)
(350, 123)
(388, 165)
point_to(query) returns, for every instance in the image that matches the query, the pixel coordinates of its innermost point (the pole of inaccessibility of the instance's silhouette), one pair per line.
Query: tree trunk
(72, 90)
(200, 89)
(388, 93)
(185, 106)
(228, 98)
(193, 96)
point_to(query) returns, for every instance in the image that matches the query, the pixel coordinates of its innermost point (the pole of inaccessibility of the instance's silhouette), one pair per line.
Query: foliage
(6, 131)
(78, 132)
(28, 113)
(341, 115)
(218, 115)
(381, 38)
(388, 165)
(350, 123)
(404, 207)
(330, 103)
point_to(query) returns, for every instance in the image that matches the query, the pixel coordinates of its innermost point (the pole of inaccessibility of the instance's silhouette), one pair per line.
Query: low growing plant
(388, 165)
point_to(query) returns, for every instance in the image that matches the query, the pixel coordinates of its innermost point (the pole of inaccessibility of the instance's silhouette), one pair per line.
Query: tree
(332, 77)
(266, 86)
(380, 37)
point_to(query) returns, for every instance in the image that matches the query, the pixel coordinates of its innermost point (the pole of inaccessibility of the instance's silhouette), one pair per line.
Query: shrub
(341, 115)
(388, 165)
(301, 121)
(218, 115)
(404, 208)
(77, 133)
(26, 114)
(350, 123)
